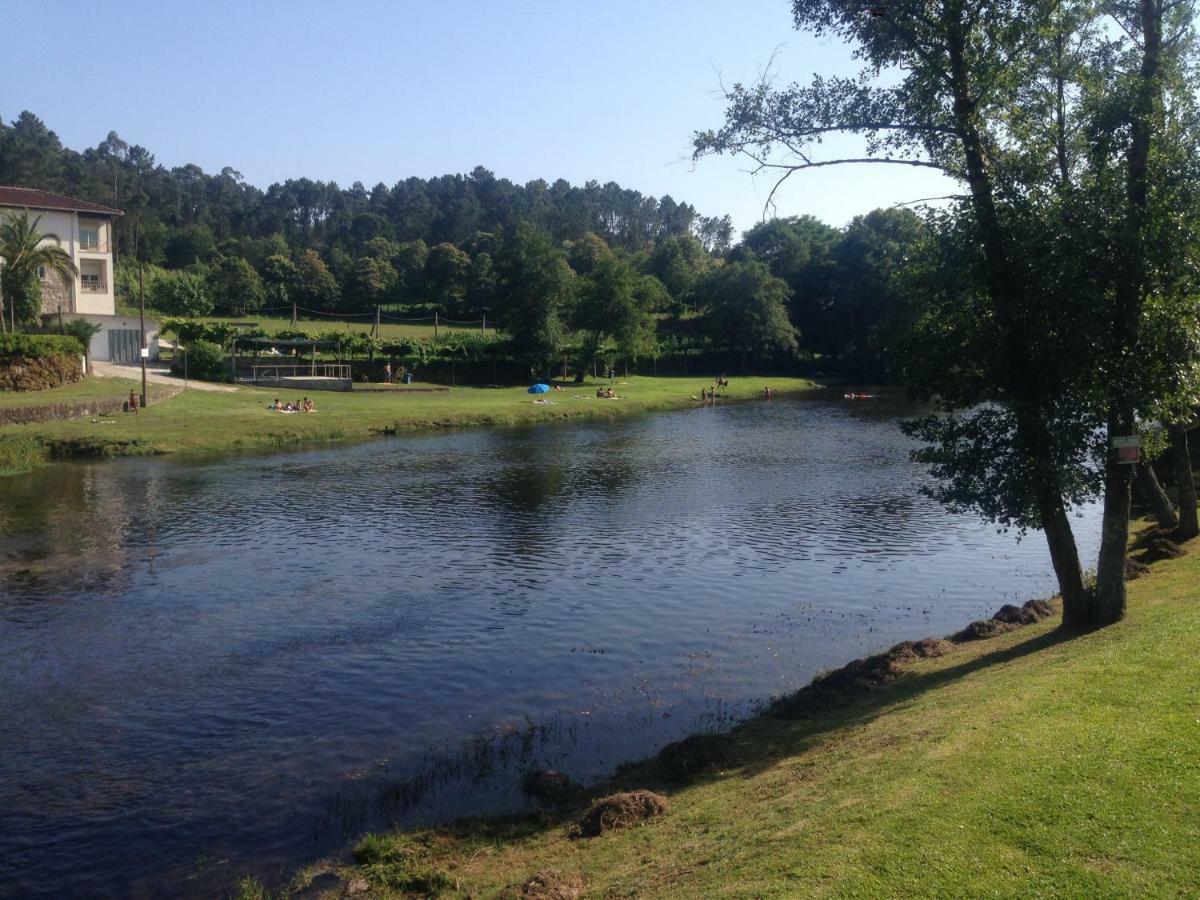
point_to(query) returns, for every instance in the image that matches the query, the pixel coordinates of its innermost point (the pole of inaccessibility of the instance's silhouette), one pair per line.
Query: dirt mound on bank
(1005, 619)
(619, 811)
(1159, 549)
(1134, 569)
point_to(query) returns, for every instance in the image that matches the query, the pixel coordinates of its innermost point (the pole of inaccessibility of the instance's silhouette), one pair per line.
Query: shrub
(205, 361)
(181, 294)
(39, 346)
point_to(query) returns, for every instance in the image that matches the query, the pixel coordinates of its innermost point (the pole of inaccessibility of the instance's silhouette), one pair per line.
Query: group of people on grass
(304, 405)
(606, 393)
(709, 394)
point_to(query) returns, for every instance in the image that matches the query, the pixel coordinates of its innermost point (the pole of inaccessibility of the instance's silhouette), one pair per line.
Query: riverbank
(1034, 762)
(207, 422)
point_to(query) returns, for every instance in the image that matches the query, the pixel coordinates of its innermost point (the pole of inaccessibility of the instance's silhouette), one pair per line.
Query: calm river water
(223, 667)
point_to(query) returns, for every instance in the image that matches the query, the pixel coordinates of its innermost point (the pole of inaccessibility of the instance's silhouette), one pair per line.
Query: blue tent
(540, 389)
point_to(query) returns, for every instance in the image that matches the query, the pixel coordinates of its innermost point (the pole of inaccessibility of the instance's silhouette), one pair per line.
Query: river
(219, 667)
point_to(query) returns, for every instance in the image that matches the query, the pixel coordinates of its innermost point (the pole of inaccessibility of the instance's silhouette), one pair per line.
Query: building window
(42, 272)
(89, 237)
(91, 281)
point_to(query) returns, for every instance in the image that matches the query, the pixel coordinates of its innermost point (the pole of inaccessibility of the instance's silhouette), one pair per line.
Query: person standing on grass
(133, 401)
(387, 373)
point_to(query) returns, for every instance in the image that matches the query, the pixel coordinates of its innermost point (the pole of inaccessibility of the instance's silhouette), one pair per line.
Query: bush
(39, 346)
(205, 361)
(181, 294)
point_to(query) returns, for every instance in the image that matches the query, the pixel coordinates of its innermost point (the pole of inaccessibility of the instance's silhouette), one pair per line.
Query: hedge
(39, 346)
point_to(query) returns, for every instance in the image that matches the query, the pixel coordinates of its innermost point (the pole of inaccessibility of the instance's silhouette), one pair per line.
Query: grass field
(87, 389)
(197, 421)
(1035, 764)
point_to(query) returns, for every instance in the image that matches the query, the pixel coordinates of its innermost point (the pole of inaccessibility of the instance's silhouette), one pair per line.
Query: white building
(85, 231)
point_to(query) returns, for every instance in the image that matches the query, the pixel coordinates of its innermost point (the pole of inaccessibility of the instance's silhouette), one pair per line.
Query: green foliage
(613, 302)
(181, 294)
(234, 286)
(189, 331)
(447, 275)
(746, 309)
(204, 360)
(82, 330)
(536, 290)
(315, 287)
(40, 346)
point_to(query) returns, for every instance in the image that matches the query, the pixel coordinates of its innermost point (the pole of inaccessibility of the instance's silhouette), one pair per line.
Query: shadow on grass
(761, 742)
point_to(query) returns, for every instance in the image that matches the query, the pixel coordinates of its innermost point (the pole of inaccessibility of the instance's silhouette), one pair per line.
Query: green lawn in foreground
(200, 421)
(1030, 765)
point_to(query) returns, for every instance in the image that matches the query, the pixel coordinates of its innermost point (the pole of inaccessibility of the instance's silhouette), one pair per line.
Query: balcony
(92, 285)
(93, 247)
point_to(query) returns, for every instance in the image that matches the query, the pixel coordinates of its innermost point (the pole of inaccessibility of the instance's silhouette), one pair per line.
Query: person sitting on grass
(276, 406)
(610, 394)
(306, 405)
(600, 392)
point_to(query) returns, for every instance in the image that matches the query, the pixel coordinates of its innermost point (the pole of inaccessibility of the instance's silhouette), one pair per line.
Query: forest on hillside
(569, 272)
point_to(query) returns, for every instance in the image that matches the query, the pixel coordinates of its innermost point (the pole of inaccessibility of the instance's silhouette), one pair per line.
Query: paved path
(156, 373)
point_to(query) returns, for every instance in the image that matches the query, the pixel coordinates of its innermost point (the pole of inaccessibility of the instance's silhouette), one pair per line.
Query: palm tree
(23, 251)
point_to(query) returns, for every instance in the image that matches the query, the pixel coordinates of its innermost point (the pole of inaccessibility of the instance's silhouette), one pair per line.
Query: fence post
(435, 323)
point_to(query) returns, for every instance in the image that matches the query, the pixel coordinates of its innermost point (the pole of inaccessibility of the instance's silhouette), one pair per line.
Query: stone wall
(56, 296)
(21, 373)
(74, 409)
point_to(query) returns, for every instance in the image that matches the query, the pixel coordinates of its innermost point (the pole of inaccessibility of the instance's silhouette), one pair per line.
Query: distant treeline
(572, 274)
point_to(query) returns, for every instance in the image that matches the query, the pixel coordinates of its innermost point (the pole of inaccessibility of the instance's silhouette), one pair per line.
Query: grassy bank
(208, 422)
(1030, 764)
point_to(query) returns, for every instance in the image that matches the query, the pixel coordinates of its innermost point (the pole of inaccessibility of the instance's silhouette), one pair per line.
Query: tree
(745, 309)
(677, 262)
(866, 303)
(281, 278)
(234, 286)
(373, 280)
(316, 287)
(612, 304)
(960, 66)
(23, 251)
(181, 294)
(447, 274)
(533, 294)
(799, 250)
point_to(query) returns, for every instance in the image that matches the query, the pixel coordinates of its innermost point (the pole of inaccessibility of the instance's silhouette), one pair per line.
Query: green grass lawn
(1035, 764)
(200, 421)
(90, 388)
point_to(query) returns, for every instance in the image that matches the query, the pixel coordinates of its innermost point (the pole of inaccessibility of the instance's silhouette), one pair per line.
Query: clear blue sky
(378, 91)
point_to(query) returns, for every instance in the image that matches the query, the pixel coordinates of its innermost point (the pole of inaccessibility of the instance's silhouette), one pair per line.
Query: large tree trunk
(1109, 603)
(1033, 433)
(1155, 496)
(1189, 526)
(1126, 319)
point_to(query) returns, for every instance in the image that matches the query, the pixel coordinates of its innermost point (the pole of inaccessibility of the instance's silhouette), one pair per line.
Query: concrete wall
(99, 346)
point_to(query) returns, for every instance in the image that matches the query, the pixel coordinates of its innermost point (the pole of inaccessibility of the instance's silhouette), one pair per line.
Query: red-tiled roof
(29, 198)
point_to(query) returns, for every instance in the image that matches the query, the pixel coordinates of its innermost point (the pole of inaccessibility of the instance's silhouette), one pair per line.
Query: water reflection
(257, 657)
